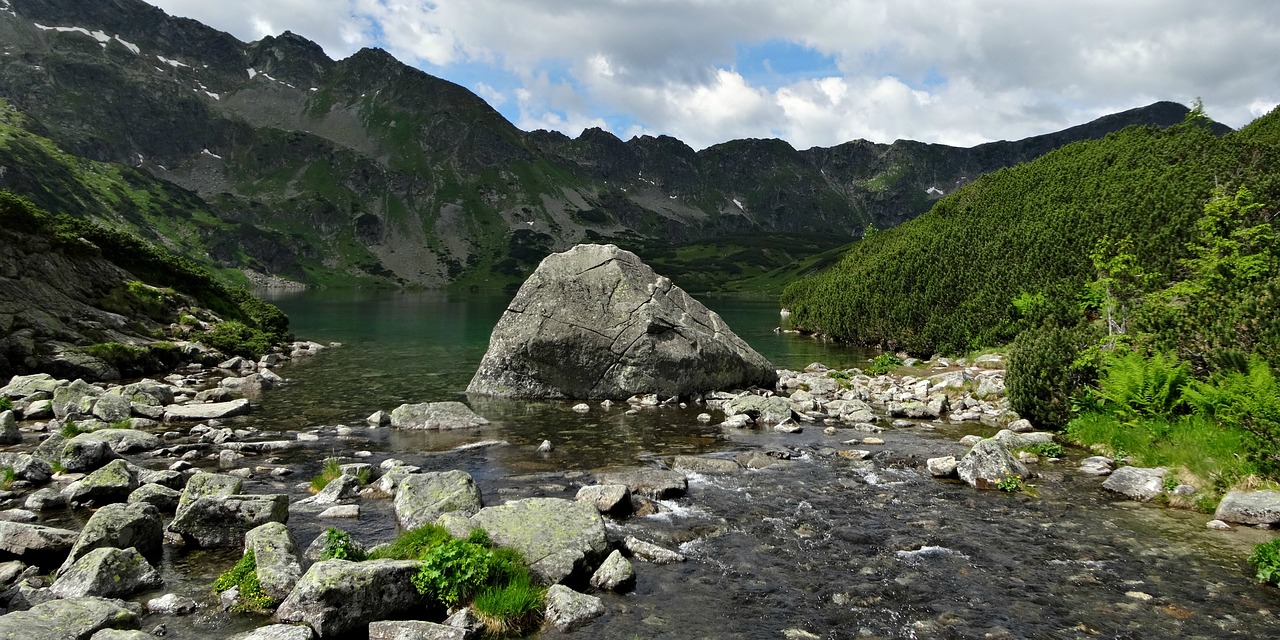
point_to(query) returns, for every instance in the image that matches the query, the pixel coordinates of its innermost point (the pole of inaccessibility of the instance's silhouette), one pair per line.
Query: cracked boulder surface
(595, 322)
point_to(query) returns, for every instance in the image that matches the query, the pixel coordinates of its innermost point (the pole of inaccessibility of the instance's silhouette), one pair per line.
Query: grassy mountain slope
(366, 171)
(946, 280)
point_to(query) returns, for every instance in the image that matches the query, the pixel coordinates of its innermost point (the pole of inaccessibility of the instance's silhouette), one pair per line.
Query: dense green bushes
(1046, 372)
(947, 281)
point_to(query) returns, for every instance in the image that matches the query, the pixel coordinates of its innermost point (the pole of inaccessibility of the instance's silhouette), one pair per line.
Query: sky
(811, 72)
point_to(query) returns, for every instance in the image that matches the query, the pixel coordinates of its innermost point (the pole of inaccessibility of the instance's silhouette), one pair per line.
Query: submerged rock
(414, 630)
(596, 322)
(435, 415)
(655, 483)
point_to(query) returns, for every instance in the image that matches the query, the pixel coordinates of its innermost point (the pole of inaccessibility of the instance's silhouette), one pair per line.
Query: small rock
(172, 604)
(1021, 425)
(944, 467)
(1217, 525)
(1250, 507)
(614, 574)
(582, 407)
(379, 418)
(1097, 466)
(546, 447)
(872, 441)
(567, 609)
(969, 441)
(650, 552)
(613, 499)
(341, 511)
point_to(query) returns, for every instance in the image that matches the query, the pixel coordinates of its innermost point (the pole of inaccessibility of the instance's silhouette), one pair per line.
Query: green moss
(7, 476)
(244, 576)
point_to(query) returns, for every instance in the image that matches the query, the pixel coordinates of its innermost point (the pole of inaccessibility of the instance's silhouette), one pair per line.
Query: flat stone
(435, 415)
(72, 618)
(414, 630)
(557, 537)
(655, 483)
(702, 464)
(650, 552)
(207, 411)
(107, 572)
(944, 467)
(35, 544)
(277, 632)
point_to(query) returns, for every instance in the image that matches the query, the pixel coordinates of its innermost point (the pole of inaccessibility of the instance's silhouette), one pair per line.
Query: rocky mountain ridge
(364, 169)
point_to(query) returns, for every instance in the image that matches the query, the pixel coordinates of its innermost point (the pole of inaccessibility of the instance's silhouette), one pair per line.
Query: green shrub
(1048, 450)
(244, 576)
(6, 404)
(1249, 402)
(235, 338)
(1266, 562)
(338, 545)
(454, 571)
(1010, 483)
(883, 363)
(7, 476)
(118, 355)
(412, 544)
(1044, 374)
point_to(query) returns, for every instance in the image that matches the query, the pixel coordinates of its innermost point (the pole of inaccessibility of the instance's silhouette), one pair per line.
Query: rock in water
(596, 322)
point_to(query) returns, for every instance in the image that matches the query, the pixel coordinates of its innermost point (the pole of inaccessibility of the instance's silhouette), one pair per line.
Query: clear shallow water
(835, 548)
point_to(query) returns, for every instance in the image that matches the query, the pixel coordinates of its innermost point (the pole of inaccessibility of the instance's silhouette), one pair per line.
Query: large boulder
(107, 572)
(338, 597)
(23, 386)
(112, 483)
(423, 497)
(557, 537)
(80, 455)
(596, 322)
(122, 440)
(27, 467)
(279, 565)
(987, 463)
(71, 619)
(223, 521)
(208, 485)
(1250, 507)
(435, 415)
(121, 526)
(34, 543)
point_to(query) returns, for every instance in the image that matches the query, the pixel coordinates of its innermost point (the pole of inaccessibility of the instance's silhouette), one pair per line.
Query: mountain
(364, 170)
(1016, 245)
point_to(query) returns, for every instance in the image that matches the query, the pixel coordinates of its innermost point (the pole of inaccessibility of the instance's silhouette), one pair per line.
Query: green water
(424, 346)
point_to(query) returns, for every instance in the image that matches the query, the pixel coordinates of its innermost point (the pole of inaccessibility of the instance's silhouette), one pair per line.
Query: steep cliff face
(366, 170)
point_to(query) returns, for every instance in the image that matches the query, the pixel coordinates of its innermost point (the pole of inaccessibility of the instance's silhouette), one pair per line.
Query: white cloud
(959, 71)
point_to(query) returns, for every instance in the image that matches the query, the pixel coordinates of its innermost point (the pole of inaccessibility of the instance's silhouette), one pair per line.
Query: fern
(1134, 387)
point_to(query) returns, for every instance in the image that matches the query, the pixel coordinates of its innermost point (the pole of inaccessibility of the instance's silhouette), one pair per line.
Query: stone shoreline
(142, 509)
